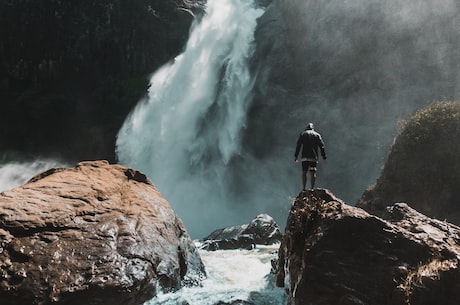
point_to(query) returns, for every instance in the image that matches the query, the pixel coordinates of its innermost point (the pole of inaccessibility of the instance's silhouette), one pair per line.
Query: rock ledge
(333, 253)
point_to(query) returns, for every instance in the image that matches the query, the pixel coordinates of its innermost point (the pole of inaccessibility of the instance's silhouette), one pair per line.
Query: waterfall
(188, 130)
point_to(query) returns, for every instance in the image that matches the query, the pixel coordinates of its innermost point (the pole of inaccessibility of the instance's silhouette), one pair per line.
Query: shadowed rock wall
(70, 71)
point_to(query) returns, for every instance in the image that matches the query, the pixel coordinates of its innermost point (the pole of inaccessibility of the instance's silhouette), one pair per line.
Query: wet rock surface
(93, 234)
(261, 230)
(333, 253)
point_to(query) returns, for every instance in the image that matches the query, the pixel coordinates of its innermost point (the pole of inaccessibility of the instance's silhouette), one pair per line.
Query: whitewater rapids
(232, 275)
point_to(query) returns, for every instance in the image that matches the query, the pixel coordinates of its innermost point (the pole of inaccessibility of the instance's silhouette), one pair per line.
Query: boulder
(261, 230)
(93, 234)
(334, 253)
(423, 166)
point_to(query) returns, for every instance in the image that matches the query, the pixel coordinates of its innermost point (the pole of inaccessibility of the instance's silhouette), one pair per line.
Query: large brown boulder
(423, 167)
(93, 234)
(333, 253)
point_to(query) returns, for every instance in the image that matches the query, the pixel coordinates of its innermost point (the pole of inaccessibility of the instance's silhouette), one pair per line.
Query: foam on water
(16, 173)
(232, 275)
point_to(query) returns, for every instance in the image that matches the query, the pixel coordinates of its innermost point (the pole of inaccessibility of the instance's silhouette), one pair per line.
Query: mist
(217, 133)
(186, 135)
(356, 69)
(16, 173)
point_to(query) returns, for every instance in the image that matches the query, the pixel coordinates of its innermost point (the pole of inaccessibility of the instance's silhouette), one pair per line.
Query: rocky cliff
(70, 71)
(423, 166)
(333, 253)
(93, 234)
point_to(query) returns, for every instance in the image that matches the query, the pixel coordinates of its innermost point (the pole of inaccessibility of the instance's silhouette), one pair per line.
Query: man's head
(310, 126)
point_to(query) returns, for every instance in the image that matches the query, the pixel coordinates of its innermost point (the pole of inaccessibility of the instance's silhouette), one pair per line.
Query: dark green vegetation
(423, 167)
(70, 71)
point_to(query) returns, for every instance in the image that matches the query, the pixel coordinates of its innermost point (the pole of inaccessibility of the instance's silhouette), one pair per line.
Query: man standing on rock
(310, 140)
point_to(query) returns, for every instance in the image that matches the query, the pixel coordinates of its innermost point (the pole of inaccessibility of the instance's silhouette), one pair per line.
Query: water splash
(232, 275)
(189, 129)
(14, 174)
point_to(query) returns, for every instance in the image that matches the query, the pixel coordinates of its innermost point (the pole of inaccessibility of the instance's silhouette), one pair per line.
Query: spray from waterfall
(188, 131)
(16, 173)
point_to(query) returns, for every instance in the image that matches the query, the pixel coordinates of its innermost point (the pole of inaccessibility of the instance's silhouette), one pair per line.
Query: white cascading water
(232, 276)
(189, 129)
(14, 174)
(184, 136)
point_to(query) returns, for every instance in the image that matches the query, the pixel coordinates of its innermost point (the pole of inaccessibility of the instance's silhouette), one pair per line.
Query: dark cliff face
(423, 167)
(70, 71)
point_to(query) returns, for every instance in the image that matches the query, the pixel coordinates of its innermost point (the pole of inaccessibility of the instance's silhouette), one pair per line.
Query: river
(233, 275)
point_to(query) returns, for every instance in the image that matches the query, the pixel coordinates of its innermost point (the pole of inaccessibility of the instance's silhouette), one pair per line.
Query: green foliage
(434, 122)
(423, 167)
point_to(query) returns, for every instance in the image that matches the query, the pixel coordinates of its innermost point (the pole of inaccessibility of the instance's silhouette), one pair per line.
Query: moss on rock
(423, 167)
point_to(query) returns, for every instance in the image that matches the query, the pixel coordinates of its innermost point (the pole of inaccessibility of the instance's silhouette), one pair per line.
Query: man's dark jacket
(310, 140)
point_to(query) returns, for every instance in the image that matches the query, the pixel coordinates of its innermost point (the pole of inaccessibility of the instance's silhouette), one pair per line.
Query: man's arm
(321, 147)
(297, 148)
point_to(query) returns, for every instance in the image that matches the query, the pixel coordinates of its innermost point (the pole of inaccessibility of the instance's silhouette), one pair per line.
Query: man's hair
(310, 126)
